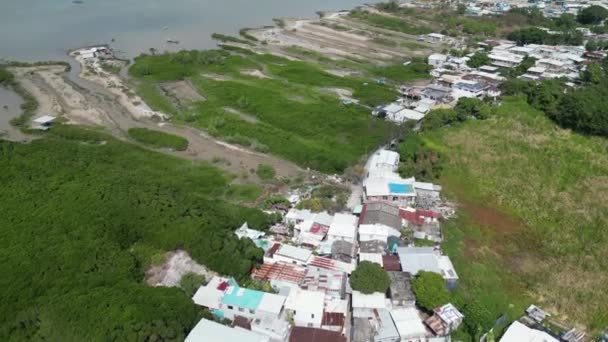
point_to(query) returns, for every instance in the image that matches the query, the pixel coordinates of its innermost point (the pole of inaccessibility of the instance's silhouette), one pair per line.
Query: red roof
(279, 271)
(417, 216)
(391, 263)
(302, 334)
(362, 215)
(319, 229)
(273, 249)
(222, 286)
(321, 262)
(333, 319)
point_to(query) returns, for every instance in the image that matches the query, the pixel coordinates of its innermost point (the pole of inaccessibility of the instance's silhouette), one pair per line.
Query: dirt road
(97, 106)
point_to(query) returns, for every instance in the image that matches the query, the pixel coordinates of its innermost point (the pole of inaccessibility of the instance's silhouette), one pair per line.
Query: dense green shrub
(158, 139)
(430, 290)
(369, 277)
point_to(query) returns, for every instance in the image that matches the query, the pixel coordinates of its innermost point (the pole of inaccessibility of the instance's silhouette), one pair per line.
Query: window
(230, 307)
(312, 315)
(384, 197)
(309, 325)
(395, 198)
(251, 311)
(241, 309)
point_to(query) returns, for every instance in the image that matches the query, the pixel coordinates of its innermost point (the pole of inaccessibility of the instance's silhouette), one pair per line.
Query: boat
(172, 41)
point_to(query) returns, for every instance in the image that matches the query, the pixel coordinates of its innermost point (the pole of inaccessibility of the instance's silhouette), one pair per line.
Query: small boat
(172, 41)
(165, 28)
(78, 2)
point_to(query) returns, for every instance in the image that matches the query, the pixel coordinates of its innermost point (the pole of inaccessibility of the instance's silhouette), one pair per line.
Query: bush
(430, 290)
(158, 139)
(191, 282)
(265, 172)
(369, 277)
(592, 15)
(478, 59)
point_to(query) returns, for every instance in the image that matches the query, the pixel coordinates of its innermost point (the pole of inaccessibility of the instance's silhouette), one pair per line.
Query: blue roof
(397, 188)
(242, 297)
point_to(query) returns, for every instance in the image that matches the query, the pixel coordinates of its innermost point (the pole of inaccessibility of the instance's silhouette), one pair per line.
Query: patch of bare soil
(255, 73)
(246, 117)
(177, 264)
(216, 77)
(183, 93)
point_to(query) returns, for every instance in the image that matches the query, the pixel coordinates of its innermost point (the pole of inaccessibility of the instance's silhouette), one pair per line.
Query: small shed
(43, 123)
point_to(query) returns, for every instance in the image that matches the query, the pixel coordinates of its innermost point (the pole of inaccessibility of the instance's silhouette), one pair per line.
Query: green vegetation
(229, 39)
(529, 248)
(389, 22)
(478, 59)
(417, 69)
(430, 290)
(369, 277)
(297, 118)
(82, 221)
(326, 198)
(418, 160)
(265, 172)
(158, 139)
(29, 104)
(190, 283)
(592, 15)
(534, 35)
(110, 67)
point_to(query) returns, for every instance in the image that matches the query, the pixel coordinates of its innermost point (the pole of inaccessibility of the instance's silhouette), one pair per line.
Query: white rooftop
(343, 226)
(416, 259)
(272, 303)
(449, 314)
(371, 257)
(518, 332)
(206, 331)
(375, 300)
(209, 296)
(44, 119)
(408, 323)
(296, 253)
(305, 300)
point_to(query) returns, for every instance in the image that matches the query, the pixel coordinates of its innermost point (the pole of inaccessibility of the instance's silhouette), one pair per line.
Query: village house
(280, 274)
(435, 37)
(437, 60)
(393, 190)
(206, 330)
(400, 291)
(437, 93)
(226, 299)
(505, 60)
(304, 334)
(245, 232)
(384, 160)
(382, 213)
(343, 251)
(409, 324)
(305, 307)
(445, 320)
(371, 257)
(518, 332)
(391, 263)
(373, 246)
(295, 216)
(333, 283)
(376, 231)
(287, 254)
(364, 305)
(416, 259)
(343, 227)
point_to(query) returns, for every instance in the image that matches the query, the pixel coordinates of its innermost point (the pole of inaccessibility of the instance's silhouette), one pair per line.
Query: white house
(416, 259)
(306, 307)
(378, 231)
(343, 227)
(390, 189)
(435, 37)
(409, 324)
(245, 231)
(518, 332)
(295, 216)
(289, 255)
(437, 59)
(384, 160)
(364, 304)
(206, 330)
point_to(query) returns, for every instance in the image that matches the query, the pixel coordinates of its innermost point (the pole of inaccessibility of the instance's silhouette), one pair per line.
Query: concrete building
(416, 259)
(400, 291)
(206, 330)
(306, 307)
(343, 227)
(518, 332)
(409, 324)
(287, 254)
(392, 190)
(445, 320)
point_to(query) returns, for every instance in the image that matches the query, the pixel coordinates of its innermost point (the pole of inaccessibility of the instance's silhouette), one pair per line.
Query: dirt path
(59, 96)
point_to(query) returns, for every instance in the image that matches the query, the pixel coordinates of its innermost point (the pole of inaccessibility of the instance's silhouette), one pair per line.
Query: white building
(378, 231)
(245, 231)
(295, 216)
(306, 307)
(384, 160)
(390, 189)
(343, 227)
(437, 60)
(289, 255)
(518, 332)
(206, 330)
(416, 259)
(409, 324)
(364, 304)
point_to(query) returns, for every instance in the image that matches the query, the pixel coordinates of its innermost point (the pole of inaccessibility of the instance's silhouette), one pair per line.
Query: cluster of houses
(308, 261)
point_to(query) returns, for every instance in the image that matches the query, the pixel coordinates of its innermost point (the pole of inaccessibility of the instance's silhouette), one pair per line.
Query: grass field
(288, 108)
(158, 139)
(545, 242)
(390, 23)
